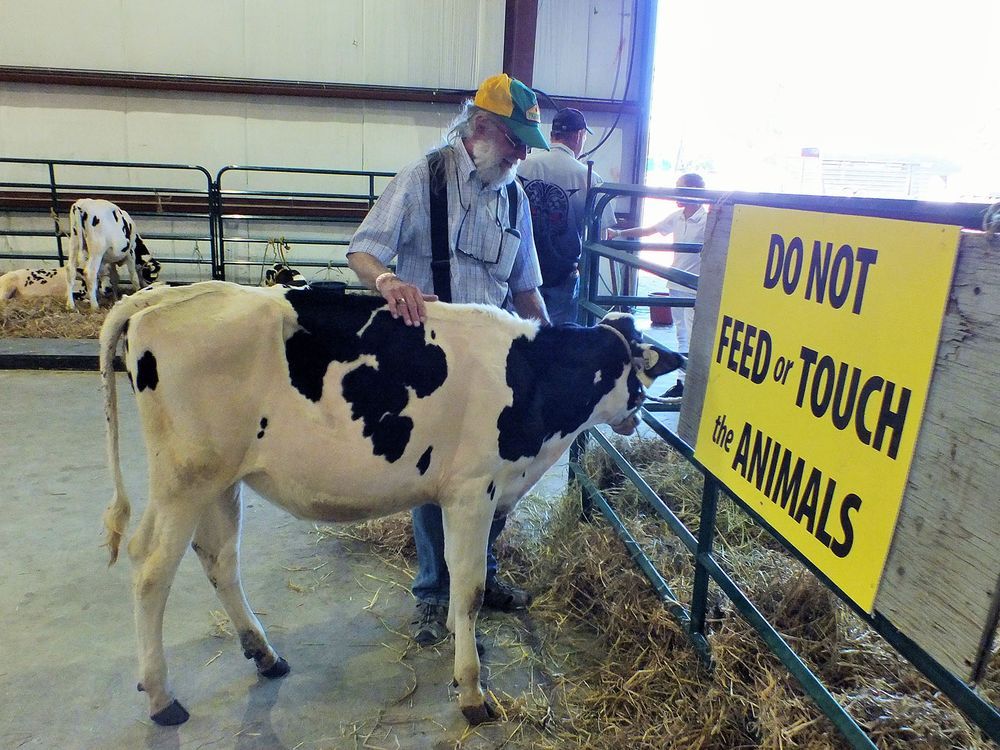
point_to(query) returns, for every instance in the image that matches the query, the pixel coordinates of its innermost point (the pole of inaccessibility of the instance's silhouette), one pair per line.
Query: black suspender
(512, 202)
(440, 251)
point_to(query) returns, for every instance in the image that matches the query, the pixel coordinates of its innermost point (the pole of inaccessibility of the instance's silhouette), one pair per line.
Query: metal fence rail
(336, 207)
(707, 567)
(54, 196)
(33, 188)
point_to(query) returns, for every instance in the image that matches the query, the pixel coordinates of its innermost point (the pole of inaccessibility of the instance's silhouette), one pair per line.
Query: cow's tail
(76, 222)
(117, 514)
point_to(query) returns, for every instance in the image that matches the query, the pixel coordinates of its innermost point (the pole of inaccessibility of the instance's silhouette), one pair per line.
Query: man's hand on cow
(406, 300)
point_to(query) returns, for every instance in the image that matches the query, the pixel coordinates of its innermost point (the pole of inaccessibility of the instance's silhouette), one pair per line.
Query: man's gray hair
(461, 127)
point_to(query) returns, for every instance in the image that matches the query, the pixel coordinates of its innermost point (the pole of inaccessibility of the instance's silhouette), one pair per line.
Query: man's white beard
(486, 157)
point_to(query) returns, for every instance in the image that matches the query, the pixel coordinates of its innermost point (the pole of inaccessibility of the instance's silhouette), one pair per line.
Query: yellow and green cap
(516, 105)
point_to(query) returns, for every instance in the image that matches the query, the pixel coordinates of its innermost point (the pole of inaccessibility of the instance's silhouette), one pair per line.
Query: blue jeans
(562, 301)
(431, 581)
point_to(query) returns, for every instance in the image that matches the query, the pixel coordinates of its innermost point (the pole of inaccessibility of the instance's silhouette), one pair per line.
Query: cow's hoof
(172, 715)
(477, 715)
(279, 669)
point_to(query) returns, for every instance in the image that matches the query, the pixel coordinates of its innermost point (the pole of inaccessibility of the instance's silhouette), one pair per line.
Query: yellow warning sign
(823, 353)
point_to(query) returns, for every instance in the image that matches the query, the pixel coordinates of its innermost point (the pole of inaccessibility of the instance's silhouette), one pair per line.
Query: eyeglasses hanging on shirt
(486, 240)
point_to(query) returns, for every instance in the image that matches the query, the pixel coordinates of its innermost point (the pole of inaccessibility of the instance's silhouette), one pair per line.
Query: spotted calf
(281, 273)
(334, 410)
(103, 236)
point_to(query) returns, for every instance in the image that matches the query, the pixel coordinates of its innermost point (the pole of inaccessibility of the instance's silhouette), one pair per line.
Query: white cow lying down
(36, 282)
(46, 282)
(332, 409)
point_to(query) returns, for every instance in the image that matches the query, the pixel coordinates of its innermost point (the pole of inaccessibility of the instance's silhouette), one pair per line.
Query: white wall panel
(403, 52)
(76, 123)
(576, 46)
(395, 136)
(58, 34)
(561, 41)
(426, 43)
(489, 48)
(186, 37)
(305, 40)
(609, 36)
(198, 129)
(311, 134)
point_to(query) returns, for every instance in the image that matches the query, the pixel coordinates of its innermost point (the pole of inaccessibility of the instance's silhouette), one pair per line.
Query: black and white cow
(103, 236)
(282, 273)
(335, 411)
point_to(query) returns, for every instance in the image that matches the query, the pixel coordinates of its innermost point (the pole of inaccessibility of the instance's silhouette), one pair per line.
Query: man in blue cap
(459, 227)
(556, 183)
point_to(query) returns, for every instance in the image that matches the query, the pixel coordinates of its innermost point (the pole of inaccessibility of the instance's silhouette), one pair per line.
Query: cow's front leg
(466, 531)
(70, 270)
(132, 273)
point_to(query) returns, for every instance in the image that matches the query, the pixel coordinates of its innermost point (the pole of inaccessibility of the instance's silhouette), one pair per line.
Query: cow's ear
(656, 361)
(624, 324)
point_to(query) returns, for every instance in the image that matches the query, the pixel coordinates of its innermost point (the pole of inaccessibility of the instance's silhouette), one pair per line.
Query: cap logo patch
(533, 114)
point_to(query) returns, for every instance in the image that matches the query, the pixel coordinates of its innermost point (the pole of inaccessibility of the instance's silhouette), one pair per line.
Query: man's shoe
(675, 393)
(431, 625)
(504, 598)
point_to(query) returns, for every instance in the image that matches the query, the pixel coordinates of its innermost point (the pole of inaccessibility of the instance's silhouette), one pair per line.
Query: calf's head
(147, 266)
(281, 273)
(647, 362)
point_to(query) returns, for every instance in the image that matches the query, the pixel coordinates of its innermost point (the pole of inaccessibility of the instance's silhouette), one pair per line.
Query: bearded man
(459, 227)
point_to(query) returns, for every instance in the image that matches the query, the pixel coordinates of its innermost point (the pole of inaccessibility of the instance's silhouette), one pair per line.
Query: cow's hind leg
(466, 530)
(156, 550)
(217, 542)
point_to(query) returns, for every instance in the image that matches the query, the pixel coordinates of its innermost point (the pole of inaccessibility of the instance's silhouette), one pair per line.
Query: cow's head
(147, 266)
(647, 362)
(282, 273)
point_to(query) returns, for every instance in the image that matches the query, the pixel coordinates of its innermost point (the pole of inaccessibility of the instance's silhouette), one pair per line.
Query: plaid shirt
(487, 259)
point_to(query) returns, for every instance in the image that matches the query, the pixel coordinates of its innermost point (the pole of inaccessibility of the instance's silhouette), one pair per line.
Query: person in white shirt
(556, 184)
(687, 225)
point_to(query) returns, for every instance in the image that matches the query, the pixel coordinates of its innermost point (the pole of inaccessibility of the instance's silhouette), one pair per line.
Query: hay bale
(48, 318)
(614, 669)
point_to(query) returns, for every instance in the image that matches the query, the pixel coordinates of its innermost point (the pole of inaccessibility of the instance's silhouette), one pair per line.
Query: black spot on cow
(491, 490)
(339, 328)
(477, 601)
(83, 217)
(434, 334)
(552, 378)
(253, 645)
(425, 461)
(146, 375)
(330, 325)
(204, 554)
(127, 229)
(96, 220)
(263, 426)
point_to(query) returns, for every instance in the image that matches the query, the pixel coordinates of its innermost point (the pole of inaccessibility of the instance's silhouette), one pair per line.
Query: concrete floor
(67, 643)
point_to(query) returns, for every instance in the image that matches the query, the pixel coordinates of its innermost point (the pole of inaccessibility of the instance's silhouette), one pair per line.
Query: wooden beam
(519, 40)
(102, 79)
